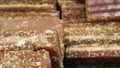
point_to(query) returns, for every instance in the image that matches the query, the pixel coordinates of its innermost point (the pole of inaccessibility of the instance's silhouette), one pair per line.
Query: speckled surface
(25, 59)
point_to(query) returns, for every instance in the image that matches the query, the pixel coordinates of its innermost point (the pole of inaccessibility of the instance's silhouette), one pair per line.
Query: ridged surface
(88, 33)
(92, 40)
(91, 28)
(93, 51)
(103, 10)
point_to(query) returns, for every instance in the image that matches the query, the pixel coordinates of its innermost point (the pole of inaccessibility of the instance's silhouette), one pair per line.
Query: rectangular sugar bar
(28, 2)
(26, 5)
(103, 10)
(91, 28)
(89, 33)
(25, 59)
(91, 38)
(85, 51)
(24, 15)
(17, 21)
(101, 36)
(29, 40)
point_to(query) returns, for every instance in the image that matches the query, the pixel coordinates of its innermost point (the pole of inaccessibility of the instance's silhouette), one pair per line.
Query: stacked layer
(32, 40)
(24, 15)
(29, 31)
(103, 10)
(25, 59)
(92, 40)
(72, 11)
(28, 5)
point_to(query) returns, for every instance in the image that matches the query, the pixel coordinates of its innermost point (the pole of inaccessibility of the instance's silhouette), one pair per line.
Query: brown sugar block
(89, 28)
(85, 51)
(89, 33)
(32, 40)
(72, 12)
(28, 40)
(26, 59)
(92, 38)
(27, 31)
(72, 7)
(31, 21)
(25, 15)
(102, 10)
(26, 21)
(26, 5)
